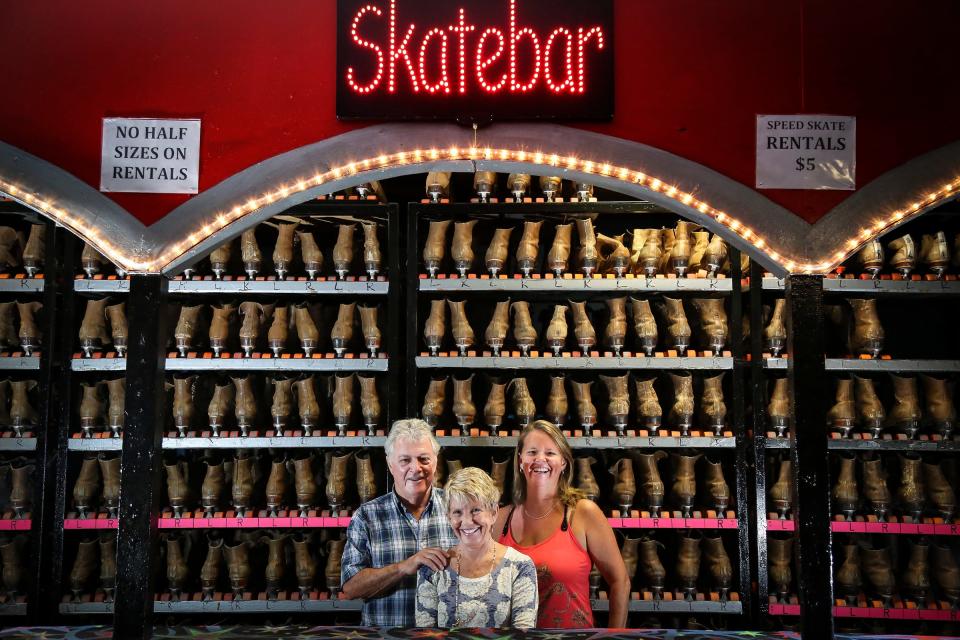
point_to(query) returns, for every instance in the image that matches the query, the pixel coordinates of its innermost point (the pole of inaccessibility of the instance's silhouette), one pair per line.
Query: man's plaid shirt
(383, 532)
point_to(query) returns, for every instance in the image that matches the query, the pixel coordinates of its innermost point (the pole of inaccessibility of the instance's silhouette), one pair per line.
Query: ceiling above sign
(475, 60)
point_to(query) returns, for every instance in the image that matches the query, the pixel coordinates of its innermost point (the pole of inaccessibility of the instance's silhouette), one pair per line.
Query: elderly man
(391, 537)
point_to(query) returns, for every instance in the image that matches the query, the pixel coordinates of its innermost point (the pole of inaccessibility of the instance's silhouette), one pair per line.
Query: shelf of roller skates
(675, 603)
(569, 282)
(90, 574)
(870, 524)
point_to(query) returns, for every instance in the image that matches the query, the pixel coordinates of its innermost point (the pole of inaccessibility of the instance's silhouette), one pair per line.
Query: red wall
(691, 76)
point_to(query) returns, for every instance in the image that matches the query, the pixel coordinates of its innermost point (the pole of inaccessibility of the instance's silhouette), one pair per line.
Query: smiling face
(412, 466)
(471, 521)
(541, 462)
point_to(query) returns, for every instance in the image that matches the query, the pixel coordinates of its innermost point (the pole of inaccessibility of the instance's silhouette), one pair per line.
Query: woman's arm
(602, 547)
(428, 599)
(524, 599)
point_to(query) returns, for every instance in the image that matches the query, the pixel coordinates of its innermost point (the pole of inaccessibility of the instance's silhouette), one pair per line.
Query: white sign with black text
(807, 152)
(150, 156)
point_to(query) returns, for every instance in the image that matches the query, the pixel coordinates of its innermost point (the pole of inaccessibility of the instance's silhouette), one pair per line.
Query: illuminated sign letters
(475, 59)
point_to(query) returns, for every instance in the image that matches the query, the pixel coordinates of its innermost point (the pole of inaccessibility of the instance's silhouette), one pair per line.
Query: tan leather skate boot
(12, 572)
(684, 488)
(436, 246)
(245, 404)
(221, 406)
(463, 408)
(484, 184)
(210, 571)
(118, 327)
(651, 253)
(846, 496)
(688, 564)
(238, 567)
(682, 248)
(550, 186)
(904, 258)
(558, 258)
(843, 414)
(519, 185)
(462, 248)
(905, 414)
(780, 566)
(4, 400)
(939, 405)
(250, 253)
(701, 239)
(681, 413)
(220, 259)
(529, 247)
(586, 411)
(523, 332)
(946, 573)
(304, 483)
(713, 410)
(615, 334)
(584, 478)
(780, 494)
(939, 492)
(33, 251)
(438, 185)
(775, 333)
(935, 253)
(651, 485)
(463, 335)
(713, 323)
(8, 334)
(368, 326)
(629, 553)
(778, 410)
(252, 314)
(279, 327)
(178, 485)
(90, 259)
(496, 332)
(177, 573)
(83, 567)
(499, 469)
(187, 325)
(651, 569)
(875, 488)
(87, 486)
(588, 257)
(624, 484)
(372, 257)
(337, 474)
(343, 402)
(93, 329)
(332, 569)
(366, 479)
(182, 412)
(108, 566)
(453, 466)
(307, 406)
(91, 409)
(667, 239)
(242, 484)
(220, 327)
(645, 325)
(557, 330)
(434, 401)
(714, 256)
(9, 248)
(678, 329)
(718, 563)
(556, 409)
(283, 250)
(718, 493)
(282, 404)
(307, 331)
(878, 569)
(276, 488)
(211, 491)
(870, 258)
(496, 406)
(498, 251)
(21, 487)
(866, 334)
(618, 407)
(615, 256)
(637, 239)
(343, 250)
(649, 412)
(848, 581)
(342, 332)
(305, 565)
(915, 581)
(582, 329)
(523, 406)
(869, 410)
(436, 326)
(23, 417)
(369, 403)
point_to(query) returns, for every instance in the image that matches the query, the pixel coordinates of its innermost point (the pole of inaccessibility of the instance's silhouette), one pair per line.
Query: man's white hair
(412, 430)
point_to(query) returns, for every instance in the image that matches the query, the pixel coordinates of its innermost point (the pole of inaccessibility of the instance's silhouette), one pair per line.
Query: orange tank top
(563, 577)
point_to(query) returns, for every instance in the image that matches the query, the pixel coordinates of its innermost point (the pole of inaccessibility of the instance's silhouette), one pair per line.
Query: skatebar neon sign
(475, 59)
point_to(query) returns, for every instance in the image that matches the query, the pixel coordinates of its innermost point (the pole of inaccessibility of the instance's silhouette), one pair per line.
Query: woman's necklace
(552, 508)
(458, 621)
